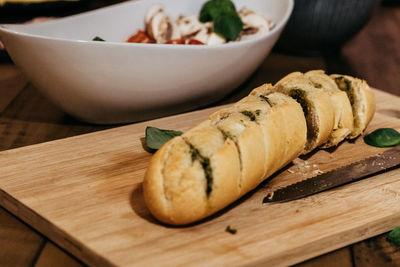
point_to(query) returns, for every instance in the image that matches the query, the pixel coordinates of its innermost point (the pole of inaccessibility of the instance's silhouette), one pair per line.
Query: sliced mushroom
(204, 33)
(159, 26)
(254, 24)
(189, 26)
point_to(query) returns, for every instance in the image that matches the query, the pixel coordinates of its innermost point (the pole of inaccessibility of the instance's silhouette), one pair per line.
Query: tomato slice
(195, 42)
(140, 37)
(176, 41)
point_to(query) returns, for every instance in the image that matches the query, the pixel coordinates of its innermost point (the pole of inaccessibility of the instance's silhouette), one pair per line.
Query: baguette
(213, 164)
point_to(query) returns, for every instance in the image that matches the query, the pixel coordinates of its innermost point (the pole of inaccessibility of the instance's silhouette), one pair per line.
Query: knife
(388, 160)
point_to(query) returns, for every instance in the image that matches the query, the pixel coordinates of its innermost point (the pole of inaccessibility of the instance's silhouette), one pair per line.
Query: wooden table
(27, 118)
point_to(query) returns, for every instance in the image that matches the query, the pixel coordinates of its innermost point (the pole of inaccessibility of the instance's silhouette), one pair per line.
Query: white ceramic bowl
(116, 82)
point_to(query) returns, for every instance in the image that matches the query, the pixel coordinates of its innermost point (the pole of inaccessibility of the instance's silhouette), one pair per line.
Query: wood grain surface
(84, 192)
(373, 55)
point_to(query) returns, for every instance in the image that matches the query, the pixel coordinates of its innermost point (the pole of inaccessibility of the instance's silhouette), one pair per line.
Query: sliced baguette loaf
(213, 164)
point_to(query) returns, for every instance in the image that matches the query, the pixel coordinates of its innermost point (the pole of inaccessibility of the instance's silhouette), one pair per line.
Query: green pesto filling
(226, 135)
(300, 96)
(317, 85)
(266, 99)
(345, 85)
(205, 164)
(249, 114)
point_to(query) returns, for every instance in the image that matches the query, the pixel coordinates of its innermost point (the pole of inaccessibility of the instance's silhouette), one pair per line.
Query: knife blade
(388, 160)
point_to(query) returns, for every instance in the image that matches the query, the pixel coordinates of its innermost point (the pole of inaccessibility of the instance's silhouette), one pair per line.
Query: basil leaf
(213, 8)
(97, 38)
(205, 12)
(227, 22)
(383, 137)
(155, 137)
(394, 236)
(228, 25)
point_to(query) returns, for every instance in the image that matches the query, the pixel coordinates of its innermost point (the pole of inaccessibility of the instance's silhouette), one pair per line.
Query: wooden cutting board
(85, 194)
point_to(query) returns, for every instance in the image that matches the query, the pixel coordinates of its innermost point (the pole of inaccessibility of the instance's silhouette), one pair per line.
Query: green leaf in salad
(222, 13)
(383, 137)
(97, 38)
(155, 137)
(394, 236)
(214, 8)
(229, 25)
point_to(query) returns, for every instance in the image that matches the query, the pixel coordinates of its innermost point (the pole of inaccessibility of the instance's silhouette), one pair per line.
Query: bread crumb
(317, 172)
(305, 168)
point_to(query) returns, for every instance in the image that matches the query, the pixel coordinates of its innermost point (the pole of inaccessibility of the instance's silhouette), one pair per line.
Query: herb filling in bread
(346, 86)
(317, 85)
(226, 135)
(252, 115)
(266, 99)
(300, 96)
(205, 164)
(249, 114)
(312, 128)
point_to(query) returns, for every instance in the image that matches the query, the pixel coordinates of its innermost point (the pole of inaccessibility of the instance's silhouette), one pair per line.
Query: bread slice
(284, 127)
(288, 115)
(274, 120)
(241, 128)
(362, 100)
(317, 107)
(343, 124)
